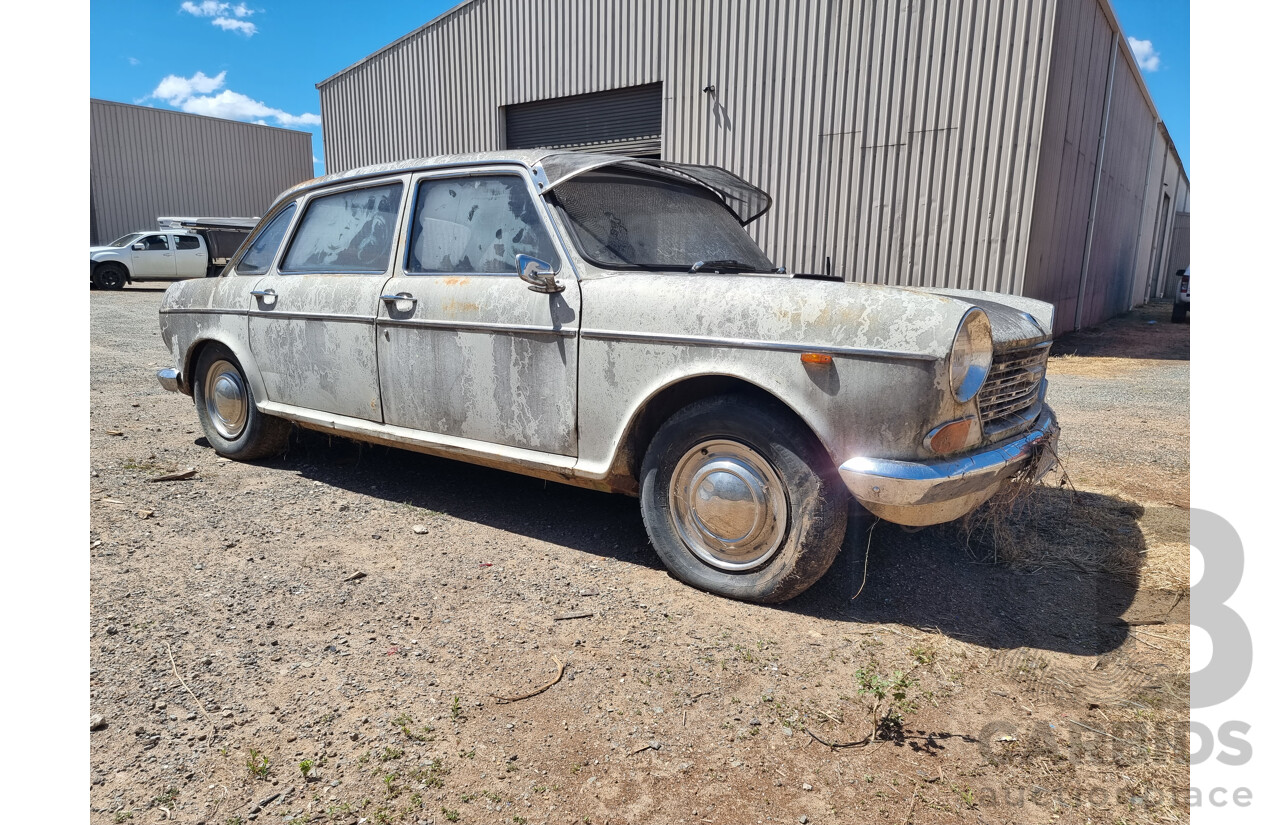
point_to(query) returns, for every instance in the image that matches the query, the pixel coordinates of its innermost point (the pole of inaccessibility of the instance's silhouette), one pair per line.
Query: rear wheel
(740, 499)
(111, 276)
(231, 420)
(1179, 312)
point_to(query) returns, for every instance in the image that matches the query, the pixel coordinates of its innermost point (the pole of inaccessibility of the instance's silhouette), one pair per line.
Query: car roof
(551, 167)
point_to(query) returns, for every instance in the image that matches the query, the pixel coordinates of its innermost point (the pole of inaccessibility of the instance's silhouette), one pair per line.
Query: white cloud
(225, 16)
(133, 61)
(212, 8)
(1146, 55)
(175, 90)
(193, 95)
(232, 25)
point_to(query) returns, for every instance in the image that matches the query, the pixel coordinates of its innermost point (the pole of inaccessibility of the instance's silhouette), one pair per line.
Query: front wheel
(111, 276)
(224, 404)
(740, 499)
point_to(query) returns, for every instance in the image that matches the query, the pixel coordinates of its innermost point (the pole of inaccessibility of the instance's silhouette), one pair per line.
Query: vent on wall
(621, 121)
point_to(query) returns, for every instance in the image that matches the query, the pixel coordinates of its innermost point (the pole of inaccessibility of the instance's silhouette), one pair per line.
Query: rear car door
(311, 321)
(190, 258)
(468, 350)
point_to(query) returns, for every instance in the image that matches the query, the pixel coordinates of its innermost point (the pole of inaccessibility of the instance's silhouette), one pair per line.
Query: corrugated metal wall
(930, 142)
(146, 162)
(1075, 120)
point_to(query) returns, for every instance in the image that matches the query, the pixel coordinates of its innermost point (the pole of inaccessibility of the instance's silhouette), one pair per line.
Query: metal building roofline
(435, 21)
(200, 117)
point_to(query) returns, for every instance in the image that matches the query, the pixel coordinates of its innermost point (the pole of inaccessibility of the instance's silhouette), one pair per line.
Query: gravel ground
(332, 636)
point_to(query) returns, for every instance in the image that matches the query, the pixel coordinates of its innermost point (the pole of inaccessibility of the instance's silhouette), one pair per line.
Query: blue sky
(260, 61)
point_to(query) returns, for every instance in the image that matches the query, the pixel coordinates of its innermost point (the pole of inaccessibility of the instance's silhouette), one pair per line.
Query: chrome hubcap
(226, 399)
(730, 505)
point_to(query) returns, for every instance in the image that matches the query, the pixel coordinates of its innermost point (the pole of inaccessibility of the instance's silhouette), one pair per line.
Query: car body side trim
(741, 343)
(476, 326)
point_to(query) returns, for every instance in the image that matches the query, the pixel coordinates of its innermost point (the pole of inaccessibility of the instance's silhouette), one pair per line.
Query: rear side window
(349, 231)
(475, 224)
(262, 251)
(186, 242)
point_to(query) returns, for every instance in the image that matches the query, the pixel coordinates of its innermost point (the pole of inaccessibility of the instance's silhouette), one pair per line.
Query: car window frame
(304, 204)
(263, 225)
(162, 235)
(564, 260)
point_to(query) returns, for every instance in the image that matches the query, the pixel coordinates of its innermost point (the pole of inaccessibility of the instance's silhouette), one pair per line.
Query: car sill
(549, 466)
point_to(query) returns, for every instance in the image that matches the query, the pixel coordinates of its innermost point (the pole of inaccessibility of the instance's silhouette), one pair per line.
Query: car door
(311, 323)
(467, 349)
(152, 257)
(189, 255)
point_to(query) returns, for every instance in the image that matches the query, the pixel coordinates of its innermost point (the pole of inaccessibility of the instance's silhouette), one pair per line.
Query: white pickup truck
(181, 248)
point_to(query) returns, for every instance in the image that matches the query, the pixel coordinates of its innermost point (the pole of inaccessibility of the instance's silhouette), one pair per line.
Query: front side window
(155, 243)
(638, 221)
(262, 251)
(349, 231)
(186, 242)
(475, 224)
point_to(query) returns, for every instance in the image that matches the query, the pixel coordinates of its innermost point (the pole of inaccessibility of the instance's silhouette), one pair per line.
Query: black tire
(1179, 312)
(112, 276)
(744, 449)
(225, 405)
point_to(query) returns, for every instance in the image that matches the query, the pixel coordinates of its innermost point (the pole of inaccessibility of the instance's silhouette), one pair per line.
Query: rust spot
(453, 307)
(456, 281)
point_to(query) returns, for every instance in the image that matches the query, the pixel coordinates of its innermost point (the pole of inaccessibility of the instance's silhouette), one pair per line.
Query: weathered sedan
(606, 321)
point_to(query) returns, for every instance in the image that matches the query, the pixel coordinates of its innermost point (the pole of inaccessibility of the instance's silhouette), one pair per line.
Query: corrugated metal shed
(148, 162)
(931, 143)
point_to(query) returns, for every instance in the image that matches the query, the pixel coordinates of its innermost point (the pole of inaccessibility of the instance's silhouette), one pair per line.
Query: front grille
(1012, 387)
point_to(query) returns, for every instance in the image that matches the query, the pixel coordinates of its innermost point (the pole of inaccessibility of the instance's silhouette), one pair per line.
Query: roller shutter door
(623, 121)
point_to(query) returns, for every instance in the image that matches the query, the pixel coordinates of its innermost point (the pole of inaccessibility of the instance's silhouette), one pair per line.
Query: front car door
(469, 351)
(311, 322)
(154, 259)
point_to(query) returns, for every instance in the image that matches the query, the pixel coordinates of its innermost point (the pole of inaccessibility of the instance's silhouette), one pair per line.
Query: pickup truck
(182, 248)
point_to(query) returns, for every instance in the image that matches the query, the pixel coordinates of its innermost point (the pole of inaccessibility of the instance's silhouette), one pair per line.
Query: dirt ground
(325, 637)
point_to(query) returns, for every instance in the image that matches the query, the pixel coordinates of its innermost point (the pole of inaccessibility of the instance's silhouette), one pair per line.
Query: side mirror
(138, 247)
(538, 274)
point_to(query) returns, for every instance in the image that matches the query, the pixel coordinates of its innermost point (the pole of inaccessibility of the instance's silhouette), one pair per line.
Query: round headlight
(970, 355)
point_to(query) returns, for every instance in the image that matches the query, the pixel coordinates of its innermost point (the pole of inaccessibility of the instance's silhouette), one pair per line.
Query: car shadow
(1072, 575)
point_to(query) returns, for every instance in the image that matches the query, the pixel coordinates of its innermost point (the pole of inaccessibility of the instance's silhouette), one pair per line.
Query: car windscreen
(625, 220)
(125, 240)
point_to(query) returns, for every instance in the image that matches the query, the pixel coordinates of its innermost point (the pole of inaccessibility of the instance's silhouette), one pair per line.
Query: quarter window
(475, 224)
(349, 231)
(262, 251)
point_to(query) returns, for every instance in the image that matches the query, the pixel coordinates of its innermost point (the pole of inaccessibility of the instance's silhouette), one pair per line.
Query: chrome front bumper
(170, 379)
(919, 493)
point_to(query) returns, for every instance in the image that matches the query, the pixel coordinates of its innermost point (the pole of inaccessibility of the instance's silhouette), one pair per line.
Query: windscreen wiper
(724, 265)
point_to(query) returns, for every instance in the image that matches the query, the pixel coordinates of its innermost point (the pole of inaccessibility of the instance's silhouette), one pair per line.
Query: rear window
(257, 259)
(350, 231)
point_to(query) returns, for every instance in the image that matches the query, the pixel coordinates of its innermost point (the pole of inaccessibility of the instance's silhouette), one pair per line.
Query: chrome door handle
(264, 293)
(403, 296)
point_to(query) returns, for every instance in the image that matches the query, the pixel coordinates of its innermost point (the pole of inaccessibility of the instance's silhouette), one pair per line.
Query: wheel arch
(665, 401)
(192, 357)
(98, 266)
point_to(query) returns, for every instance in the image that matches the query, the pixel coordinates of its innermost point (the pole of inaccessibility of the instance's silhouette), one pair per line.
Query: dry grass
(1035, 526)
